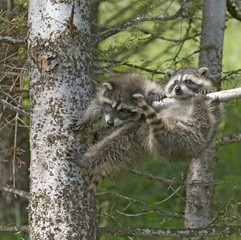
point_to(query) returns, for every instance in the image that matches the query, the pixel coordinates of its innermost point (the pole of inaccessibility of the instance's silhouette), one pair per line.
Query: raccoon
(184, 129)
(121, 148)
(178, 132)
(116, 102)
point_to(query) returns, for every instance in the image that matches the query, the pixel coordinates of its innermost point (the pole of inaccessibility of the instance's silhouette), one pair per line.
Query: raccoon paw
(200, 97)
(76, 124)
(154, 98)
(73, 156)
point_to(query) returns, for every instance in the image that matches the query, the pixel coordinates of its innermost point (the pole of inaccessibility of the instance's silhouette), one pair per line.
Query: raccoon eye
(176, 82)
(124, 110)
(188, 81)
(107, 106)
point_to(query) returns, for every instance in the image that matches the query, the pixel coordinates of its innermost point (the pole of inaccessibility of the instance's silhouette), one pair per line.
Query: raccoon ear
(169, 73)
(108, 86)
(203, 71)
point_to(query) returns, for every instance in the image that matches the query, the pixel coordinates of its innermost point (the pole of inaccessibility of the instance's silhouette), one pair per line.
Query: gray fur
(179, 132)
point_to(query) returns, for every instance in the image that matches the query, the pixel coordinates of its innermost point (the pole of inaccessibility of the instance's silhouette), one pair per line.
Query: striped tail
(152, 117)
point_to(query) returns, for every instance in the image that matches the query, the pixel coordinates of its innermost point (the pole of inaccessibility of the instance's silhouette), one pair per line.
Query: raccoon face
(118, 106)
(116, 114)
(187, 82)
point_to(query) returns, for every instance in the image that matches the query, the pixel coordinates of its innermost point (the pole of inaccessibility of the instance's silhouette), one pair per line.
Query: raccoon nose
(110, 122)
(177, 89)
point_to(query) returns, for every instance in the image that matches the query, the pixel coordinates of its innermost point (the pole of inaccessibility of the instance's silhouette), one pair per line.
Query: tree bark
(201, 171)
(60, 83)
(211, 47)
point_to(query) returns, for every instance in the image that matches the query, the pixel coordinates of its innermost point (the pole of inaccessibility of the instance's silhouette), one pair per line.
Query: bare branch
(12, 40)
(15, 109)
(146, 204)
(180, 233)
(137, 20)
(159, 179)
(10, 189)
(230, 138)
(222, 96)
(13, 99)
(233, 11)
(14, 229)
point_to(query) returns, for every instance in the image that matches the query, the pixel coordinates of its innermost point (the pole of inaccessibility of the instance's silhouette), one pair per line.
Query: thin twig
(14, 228)
(12, 40)
(159, 179)
(10, 189)
(15, 109)
(146, 204)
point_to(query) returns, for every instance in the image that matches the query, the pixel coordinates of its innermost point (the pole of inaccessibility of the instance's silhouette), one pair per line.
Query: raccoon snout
(110, 122)
(177, 89)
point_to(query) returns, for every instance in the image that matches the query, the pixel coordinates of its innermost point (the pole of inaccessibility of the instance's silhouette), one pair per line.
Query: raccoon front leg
(94, 110)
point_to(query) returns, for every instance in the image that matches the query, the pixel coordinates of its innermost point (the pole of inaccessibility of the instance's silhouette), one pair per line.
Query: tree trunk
(60, 83)
(200, 187)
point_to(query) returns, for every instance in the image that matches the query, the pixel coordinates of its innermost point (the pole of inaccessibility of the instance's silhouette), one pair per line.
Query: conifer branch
(138, 20)
(12, 40)
(178, 233)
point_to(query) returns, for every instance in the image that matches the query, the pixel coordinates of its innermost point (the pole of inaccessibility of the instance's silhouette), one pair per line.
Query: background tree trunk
(60, 83)
(200, 187)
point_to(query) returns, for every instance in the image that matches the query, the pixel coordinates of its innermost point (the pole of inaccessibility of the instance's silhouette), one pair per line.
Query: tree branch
(180, 233)
(13, 108)
(10, 189)
(230, 138)
(11, 40)
(171, 214)
(232, 10)
(222, 96)
(137, 20)
(14, 229)
(159, 179)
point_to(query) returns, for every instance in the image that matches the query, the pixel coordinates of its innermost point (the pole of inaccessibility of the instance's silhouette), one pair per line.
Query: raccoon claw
(204, 92)
(76, 124)
(154, 98)
(74, 157)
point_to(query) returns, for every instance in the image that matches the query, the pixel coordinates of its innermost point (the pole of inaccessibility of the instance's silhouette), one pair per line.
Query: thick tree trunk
(200, 178)
(60, 82)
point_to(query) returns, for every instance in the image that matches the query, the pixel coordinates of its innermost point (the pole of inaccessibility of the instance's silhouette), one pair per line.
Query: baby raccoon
(178, 132)
(116, 102)
(187, 127)
(120, 149)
